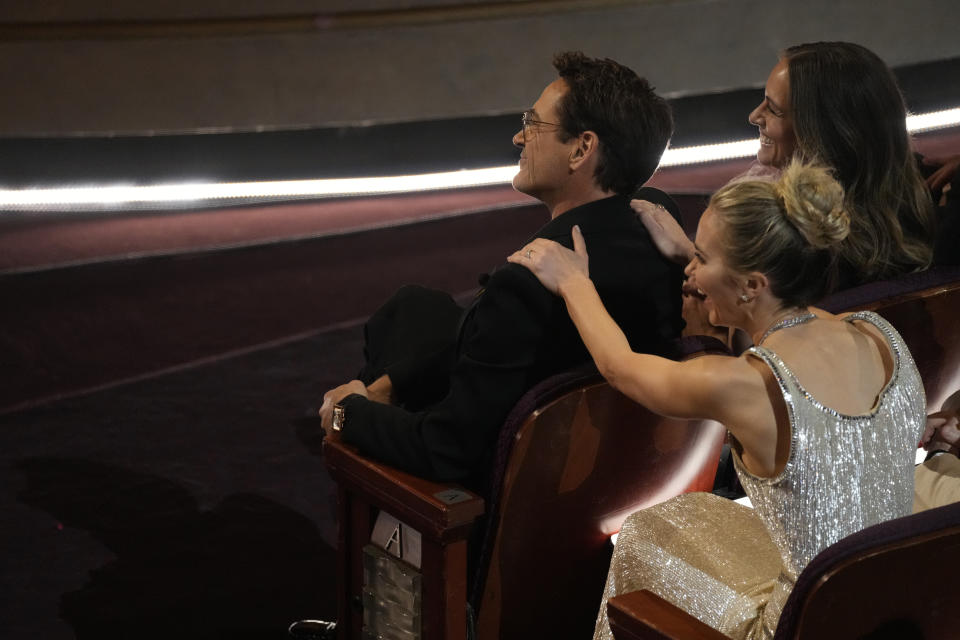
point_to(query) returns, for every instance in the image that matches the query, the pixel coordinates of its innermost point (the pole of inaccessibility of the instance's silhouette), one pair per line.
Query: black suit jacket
(516, 334)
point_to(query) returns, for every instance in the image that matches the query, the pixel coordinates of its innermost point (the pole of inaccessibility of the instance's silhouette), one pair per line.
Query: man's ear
(586, 150)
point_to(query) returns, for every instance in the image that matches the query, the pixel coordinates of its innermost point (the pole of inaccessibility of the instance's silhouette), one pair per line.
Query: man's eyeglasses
(529, 121)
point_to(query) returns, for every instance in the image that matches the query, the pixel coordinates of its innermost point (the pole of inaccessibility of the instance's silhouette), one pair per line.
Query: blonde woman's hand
(552, 263)
(668, 236)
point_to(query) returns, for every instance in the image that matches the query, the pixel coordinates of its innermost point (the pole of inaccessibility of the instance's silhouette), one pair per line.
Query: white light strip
(178, 193)
(933, 120)
(710, 153)
(117, 196)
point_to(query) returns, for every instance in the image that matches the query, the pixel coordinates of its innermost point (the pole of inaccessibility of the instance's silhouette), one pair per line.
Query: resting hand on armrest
(334, 396)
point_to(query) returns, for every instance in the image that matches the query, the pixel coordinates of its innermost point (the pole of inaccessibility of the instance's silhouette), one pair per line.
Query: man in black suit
(439, 381)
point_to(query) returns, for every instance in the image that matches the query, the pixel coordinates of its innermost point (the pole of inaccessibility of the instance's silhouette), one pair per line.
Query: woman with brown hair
(838, 104)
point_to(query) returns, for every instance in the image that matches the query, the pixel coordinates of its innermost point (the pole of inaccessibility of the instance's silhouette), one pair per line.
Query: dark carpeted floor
(192, 505)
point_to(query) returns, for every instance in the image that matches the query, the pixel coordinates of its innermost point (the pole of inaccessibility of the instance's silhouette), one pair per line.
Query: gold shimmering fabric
(733, 567)
(707, 555)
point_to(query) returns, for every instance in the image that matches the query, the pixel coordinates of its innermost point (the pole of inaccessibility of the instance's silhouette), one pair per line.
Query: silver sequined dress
(733, 567)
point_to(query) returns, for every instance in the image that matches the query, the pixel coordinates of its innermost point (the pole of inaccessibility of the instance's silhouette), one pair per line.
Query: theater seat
(574, 459)
(894, 580)
(924, 308)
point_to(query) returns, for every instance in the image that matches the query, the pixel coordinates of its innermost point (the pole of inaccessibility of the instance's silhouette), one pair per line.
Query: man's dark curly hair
(633, 123)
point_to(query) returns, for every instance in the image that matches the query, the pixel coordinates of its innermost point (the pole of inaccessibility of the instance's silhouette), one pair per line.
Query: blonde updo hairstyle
(790, 230)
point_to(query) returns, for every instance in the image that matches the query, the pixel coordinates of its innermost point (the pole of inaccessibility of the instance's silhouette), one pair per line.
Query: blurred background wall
(108, 67)
(104, 92)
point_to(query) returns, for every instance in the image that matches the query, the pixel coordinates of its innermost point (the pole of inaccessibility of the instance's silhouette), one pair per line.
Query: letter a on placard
(395, 541)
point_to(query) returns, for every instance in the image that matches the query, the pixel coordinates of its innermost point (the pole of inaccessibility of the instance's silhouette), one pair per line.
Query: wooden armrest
(643, 615)
(440, 511)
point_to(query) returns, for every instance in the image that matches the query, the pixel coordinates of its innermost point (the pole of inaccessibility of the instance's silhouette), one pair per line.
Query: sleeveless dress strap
(894, 339)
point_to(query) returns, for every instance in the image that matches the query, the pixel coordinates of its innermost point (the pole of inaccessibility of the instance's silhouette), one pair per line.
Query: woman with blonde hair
(825, 411)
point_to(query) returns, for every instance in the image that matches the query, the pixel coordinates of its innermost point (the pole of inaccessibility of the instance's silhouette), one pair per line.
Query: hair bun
(813, 203)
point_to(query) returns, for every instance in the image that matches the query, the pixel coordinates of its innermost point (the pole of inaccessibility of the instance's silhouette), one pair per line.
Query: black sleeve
(418, 381)
(498, 350)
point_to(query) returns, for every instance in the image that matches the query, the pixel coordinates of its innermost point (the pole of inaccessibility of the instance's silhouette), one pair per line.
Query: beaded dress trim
(782, 373)
(786, 323)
